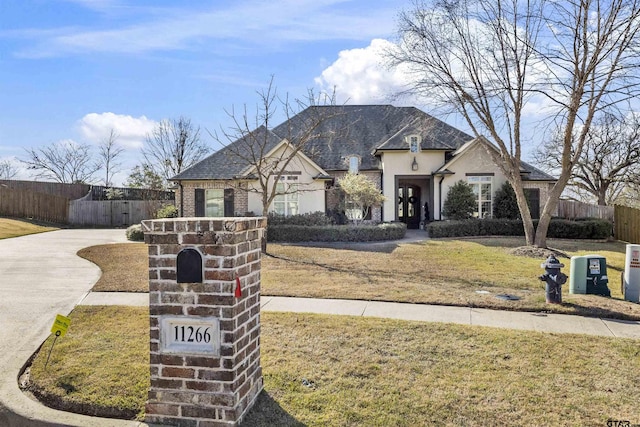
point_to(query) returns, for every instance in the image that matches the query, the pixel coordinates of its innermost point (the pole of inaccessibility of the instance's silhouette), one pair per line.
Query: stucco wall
(398, 163)
(310, 190)
(475, 160)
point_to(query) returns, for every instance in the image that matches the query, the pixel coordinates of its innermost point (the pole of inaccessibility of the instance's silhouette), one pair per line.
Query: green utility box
(589, 275)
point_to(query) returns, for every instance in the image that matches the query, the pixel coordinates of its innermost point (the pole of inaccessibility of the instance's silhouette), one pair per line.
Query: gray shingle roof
(230, 161)
(343, 131)
(532, 173)
(334, 133)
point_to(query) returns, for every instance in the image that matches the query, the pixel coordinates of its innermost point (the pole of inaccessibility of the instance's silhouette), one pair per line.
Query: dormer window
(414, 143)
(354, 164)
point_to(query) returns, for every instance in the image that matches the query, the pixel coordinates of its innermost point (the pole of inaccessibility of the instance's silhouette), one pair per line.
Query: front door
(409, 205)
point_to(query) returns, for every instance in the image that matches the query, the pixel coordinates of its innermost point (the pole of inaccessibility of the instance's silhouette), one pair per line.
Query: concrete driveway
(40, 276)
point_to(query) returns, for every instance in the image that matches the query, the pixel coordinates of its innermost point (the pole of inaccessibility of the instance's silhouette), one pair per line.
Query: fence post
(627, 224)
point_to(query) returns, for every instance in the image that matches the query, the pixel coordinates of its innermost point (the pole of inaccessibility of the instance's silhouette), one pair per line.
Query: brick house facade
(412, 157)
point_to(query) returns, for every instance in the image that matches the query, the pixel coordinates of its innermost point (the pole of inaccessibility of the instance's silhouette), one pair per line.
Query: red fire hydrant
(554, 279)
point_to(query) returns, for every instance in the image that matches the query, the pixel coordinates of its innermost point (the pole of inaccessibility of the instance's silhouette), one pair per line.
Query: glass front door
(409, 205)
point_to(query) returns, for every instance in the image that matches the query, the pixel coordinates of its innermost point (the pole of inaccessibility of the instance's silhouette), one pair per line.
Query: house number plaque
(190, 335)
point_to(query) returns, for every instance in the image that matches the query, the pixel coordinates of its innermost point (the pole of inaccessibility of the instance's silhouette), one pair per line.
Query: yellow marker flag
(60, 325)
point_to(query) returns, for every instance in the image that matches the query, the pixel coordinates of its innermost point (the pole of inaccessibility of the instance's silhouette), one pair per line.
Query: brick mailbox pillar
(204, 307)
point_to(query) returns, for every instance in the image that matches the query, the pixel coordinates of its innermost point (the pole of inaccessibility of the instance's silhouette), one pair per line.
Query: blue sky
(73, 69)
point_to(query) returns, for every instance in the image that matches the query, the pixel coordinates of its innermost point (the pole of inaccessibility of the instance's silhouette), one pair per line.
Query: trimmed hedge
(558, 228)
(307, 219)
(335, 233)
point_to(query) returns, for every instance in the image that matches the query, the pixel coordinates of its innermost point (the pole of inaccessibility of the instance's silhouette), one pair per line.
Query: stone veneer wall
(205, 390)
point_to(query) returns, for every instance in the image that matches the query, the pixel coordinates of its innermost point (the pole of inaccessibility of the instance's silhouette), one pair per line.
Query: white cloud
(248, 24)
(131, 131)
(359, 76)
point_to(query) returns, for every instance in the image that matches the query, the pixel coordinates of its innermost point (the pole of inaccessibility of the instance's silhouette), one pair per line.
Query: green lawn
(100, 367)
(125, 266)
(337, 370)
(15, 228)
(442, 271)
(346, 371)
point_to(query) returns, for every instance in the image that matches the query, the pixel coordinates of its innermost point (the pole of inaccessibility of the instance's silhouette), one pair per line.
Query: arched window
(414, 143)
(354, 164)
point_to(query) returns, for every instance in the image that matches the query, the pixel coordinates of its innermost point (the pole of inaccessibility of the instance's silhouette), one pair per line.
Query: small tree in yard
(142, 176)
(505, 204)
(461, 202)
(250, 140)
(361, 194)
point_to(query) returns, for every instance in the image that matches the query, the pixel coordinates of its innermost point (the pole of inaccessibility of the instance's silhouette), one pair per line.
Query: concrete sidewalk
(539, 322)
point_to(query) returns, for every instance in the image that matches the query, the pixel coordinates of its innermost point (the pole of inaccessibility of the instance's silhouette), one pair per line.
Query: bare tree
(108, 157)
(65, 161)
(489, 60)
(609, 160)
(173, 146)
(250, 141)
(7, 170)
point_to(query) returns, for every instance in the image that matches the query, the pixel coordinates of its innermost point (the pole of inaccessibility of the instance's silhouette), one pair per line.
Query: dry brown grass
(100, 367)
(345, 371)
(124, 267)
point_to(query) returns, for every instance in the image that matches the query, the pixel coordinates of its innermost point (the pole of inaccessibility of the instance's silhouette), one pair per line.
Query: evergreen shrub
(134, 233)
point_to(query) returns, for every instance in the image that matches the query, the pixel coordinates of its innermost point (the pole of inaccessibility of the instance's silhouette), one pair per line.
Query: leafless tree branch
(109, 157)
(65, 161)
(173, 146)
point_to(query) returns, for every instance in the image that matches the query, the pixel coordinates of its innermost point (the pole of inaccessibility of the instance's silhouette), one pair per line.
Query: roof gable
(529, 172)
(285, 146)
(362, 130)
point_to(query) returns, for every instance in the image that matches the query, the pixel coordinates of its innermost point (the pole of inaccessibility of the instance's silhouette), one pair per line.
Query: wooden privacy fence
(112, 213)
(29, 204)
(627, 224)
(69, 191)
(571, 209)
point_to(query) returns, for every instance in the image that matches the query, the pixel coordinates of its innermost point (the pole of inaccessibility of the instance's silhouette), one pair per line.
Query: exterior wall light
(414, 164)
